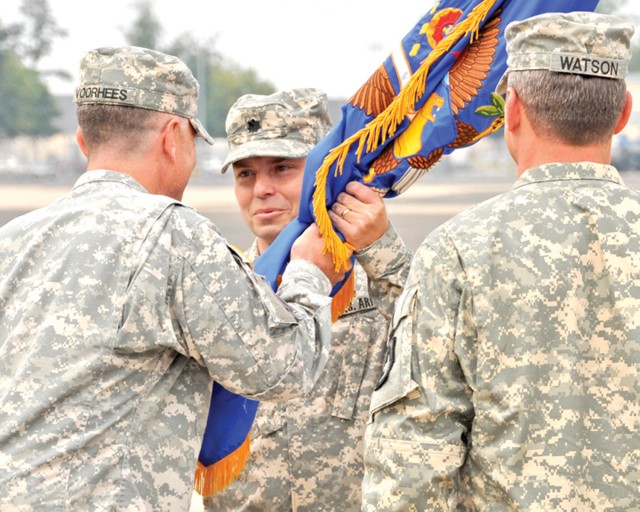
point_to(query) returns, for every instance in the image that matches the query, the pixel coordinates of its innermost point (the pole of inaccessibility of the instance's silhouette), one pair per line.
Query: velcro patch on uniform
(358, 305)
(587, 65)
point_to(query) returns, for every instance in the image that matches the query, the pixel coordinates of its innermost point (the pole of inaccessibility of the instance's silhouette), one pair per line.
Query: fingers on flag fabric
(432, 95)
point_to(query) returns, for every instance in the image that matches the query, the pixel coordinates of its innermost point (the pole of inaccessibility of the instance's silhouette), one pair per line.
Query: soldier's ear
(625, 114)
(512, 110)
(81, 142)
(169, 139)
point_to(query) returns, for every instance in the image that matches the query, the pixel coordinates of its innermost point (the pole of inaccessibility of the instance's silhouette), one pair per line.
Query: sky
(334, 45)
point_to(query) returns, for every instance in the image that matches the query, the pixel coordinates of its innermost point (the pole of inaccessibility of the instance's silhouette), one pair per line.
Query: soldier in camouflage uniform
(119, 304)
(306, 454)
(512, 376)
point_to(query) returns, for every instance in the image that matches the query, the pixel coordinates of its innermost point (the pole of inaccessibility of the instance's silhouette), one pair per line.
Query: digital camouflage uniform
(117, 309)
(306, 453)
(514, 383)
(512, 376)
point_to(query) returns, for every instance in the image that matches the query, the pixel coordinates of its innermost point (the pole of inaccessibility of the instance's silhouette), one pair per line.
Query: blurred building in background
(58, 160)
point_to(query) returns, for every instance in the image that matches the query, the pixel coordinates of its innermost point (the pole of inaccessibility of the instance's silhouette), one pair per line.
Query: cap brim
(501, 88)
(284, 148)
(201, 130)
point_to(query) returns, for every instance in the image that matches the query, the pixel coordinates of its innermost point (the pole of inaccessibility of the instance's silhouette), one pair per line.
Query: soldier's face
(268, 193)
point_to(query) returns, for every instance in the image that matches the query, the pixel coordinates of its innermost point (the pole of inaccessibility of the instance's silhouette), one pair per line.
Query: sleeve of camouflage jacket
(225, 317)
(386, 262)
(422, 412)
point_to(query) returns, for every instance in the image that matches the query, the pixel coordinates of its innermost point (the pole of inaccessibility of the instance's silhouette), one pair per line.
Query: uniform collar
(103, 175)
(253, 251)
(569, 172)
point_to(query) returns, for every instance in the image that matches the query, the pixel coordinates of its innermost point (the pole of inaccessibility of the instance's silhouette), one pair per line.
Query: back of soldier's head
(568, 71)
(123, 91)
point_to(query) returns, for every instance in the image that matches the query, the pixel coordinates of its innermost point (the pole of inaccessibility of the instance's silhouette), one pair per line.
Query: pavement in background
(414, 214)
(426, 205)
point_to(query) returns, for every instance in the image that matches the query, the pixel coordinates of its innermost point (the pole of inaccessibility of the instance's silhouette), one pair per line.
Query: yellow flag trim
(211, 479)
(375, 133)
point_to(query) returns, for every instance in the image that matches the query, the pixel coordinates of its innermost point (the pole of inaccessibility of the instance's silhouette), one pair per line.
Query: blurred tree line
(28, 108)
(221, 80)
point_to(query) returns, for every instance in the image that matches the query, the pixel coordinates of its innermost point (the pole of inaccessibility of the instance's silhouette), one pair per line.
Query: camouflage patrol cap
(581, 43)
(142, 78)
(284, 124)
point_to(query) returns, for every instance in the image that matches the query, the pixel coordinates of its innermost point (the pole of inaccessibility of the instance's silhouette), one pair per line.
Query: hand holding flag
(432, 95)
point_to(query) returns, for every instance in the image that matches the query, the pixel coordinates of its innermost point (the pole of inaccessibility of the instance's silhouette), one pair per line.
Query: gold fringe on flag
(375, 133)
(343, 297)
(211, 479)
